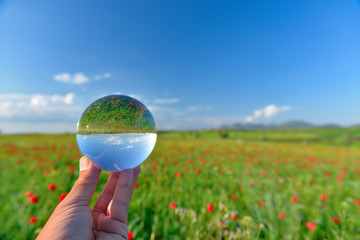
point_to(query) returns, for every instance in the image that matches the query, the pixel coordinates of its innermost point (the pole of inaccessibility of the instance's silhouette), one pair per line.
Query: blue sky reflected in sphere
(116, 152)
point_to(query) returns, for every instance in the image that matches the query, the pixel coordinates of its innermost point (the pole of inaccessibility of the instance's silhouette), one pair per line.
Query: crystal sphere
(116, 132)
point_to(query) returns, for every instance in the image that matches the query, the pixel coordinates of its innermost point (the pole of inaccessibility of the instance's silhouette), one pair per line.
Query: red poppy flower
(282, 215)
(130, 235)
(52, 186)
(233, 197)
(263, 173)
(28, 193)
(336, 220)
(33, 199)
(295, 198)
(172, 205)
(32, 220)
(178, 174)
(153, 168)
(197, 171)
(323, 197)
(115, 102)
(357, 201)
(234, 218)
(70, 171)
(210, 208)
(261, 203)
(251, 185)
(311, 226)
(62, 196)
(340, 178)
(136, 185)
(46, 172)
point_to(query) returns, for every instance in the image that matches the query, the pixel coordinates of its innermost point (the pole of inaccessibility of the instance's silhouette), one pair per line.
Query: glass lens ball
(116, 132)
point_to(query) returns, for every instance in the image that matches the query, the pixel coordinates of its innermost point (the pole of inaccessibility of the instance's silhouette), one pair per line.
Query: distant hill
(295, 124)
(289, 124)
(330, 125)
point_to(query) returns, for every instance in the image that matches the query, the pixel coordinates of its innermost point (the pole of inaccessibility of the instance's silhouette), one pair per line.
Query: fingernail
(84, 163)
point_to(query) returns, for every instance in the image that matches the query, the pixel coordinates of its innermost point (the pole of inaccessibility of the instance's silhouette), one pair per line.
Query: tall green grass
(248, 183)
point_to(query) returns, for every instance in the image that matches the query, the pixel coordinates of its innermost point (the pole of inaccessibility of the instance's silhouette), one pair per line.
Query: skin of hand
(73, 219)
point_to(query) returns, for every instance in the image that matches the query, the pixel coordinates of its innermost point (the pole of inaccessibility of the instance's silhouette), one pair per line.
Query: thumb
(85, 186)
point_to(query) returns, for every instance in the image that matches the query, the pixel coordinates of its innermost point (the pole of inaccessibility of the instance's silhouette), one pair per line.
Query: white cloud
(249, 119)
(38, 101)
(267, 112)
(69, 98)
(63, 77)
(198, 108)
(102, 76)
(164, 112)
(79, 78)
(31, 106)
(166, 100)
(37, 127)
(5, 108)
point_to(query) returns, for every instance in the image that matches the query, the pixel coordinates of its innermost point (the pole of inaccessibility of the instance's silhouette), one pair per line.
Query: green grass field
(259, 184)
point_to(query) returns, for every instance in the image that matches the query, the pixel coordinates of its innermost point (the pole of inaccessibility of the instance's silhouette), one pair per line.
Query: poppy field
(197, 187)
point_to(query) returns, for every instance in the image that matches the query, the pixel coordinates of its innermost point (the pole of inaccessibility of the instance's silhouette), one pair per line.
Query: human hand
(73, 219)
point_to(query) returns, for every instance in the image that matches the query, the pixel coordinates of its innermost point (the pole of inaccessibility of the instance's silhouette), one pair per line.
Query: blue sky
(195, 64)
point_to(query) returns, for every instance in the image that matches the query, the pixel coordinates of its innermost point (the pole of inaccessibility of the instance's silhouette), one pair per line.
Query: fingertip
(84, 163)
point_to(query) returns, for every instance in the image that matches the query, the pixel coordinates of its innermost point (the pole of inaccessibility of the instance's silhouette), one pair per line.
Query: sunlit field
(291, 184)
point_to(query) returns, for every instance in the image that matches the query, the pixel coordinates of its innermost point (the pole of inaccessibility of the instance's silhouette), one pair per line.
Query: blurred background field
(256, 104)
(218, 184)
(317, 136)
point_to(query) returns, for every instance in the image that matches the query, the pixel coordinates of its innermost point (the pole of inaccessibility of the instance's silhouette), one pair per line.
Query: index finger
(107, 194)
(120, 204)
